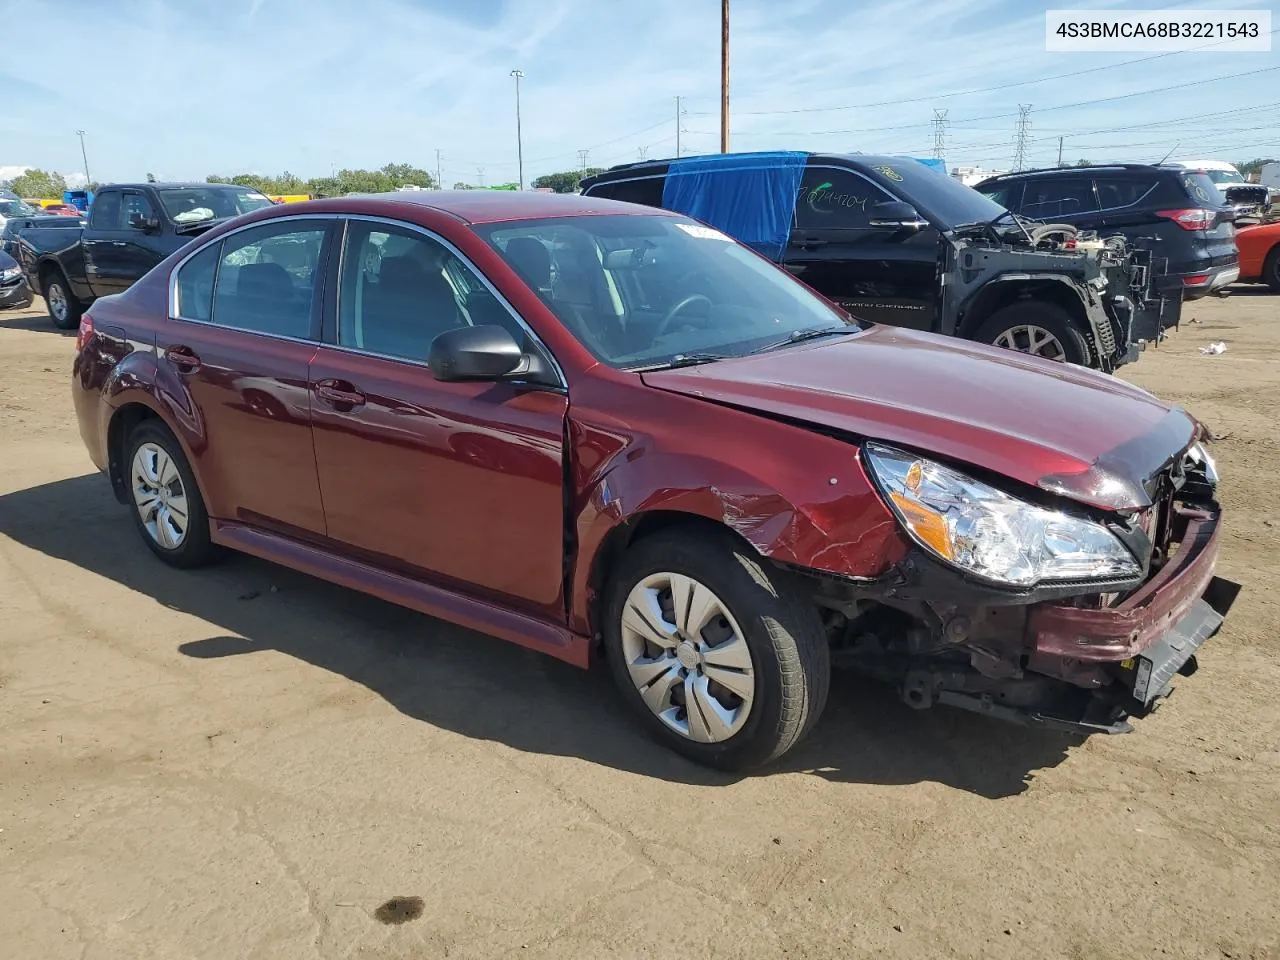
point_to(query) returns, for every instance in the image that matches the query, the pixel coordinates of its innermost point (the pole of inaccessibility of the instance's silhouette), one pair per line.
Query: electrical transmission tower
(582, 160)
(1021, 136)
(939, 133)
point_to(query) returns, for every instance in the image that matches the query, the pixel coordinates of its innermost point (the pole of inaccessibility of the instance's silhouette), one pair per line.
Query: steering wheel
(675, 311)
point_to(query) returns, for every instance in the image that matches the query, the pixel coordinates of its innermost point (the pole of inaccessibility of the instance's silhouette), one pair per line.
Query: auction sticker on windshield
(1218, 31)
(702, 233)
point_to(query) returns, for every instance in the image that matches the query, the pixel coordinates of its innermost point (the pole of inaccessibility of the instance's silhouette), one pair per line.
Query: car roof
(1068, 171)
(488, 206)
(176, 185)
(659, 166)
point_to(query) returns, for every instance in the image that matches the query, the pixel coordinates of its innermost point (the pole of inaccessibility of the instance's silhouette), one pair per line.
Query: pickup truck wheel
(64, 309)
(167, 506)
(1040, 329)
(723, 659)
(1271, 269)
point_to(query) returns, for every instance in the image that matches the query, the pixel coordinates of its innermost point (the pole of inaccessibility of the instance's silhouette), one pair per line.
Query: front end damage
(1082, 657)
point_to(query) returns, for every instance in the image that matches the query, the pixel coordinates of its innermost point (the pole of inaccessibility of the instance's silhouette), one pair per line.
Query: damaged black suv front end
(1032, 608)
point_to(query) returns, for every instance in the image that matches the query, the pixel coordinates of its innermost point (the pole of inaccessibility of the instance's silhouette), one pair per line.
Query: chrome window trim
(464, 259)
(177, 267)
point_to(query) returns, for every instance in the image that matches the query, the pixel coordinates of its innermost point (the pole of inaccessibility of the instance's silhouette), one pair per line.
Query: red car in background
(586, 426)
(63, 210)
(1260, 254)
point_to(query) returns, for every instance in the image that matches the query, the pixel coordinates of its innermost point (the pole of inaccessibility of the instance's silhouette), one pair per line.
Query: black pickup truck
(131, 228)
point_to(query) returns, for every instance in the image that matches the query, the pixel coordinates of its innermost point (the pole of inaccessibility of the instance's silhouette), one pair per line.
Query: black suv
(1176, 213)
(895, 242)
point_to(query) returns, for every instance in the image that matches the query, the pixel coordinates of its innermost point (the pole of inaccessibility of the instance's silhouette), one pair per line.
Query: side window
(266, 278)
(136, 205)
(1118, 192)
(1046, 199)
(195, 284)
(831, 199)
(401, 289)
(107, 211)
(1008, 195)
(646, 191)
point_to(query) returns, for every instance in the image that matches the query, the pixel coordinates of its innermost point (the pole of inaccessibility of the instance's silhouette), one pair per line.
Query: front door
(238, 350)
(876, 273)
(458, 482)
(144, 247)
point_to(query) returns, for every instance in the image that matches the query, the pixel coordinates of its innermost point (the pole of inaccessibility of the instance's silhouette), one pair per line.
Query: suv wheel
(167, 507)
(723, 658)
(1271, 269)
(64, 310)
(1040, 329)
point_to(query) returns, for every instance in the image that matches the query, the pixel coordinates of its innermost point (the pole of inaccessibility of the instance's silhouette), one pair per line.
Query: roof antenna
(1169, 154)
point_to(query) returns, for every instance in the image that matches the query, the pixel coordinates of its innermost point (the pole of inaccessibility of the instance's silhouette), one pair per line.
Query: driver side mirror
(897, 215)
(146, 224)
(475, 353)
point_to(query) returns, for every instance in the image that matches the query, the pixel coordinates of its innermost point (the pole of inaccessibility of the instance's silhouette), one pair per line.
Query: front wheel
(722, 658)
(1040, 329)
(64, 309)
(1271, 270)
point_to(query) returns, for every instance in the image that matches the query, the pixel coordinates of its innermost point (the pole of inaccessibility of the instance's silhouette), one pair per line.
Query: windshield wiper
(800, 336)
(680, 360)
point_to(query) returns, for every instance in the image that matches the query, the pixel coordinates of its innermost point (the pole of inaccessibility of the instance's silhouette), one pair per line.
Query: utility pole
(85, 157)
(518, 74)
(724, 76)
(1020, 143)
(439, 177)
(1059, 151)
(939, 133)
(678, 121)
(582, 160)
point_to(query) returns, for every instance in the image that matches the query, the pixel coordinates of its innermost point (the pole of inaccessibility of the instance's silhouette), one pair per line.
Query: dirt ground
(245, 762)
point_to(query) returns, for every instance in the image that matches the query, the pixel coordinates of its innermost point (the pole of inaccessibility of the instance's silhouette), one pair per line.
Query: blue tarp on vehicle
(939, 165)
(748, 196)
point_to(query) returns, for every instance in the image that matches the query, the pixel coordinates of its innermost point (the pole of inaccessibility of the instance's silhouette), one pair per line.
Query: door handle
(339, 392)
(812, 244)
(118, 243)
(184, 358)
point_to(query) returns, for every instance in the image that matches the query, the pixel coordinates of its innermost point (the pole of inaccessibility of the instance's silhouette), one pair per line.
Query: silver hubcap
(160, 496)
(58, 301)
(1037, 341)
(687, 657)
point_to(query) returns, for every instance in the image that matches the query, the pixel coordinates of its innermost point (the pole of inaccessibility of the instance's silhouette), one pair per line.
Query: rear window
(1058, 197)
(1201, 189)
(1122, 191)
(646, 191)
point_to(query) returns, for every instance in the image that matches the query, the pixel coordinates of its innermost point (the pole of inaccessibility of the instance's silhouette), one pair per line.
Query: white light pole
(85, 157)
(519, 74)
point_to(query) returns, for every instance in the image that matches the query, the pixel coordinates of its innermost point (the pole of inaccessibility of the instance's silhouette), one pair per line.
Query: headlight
(990, 534)
(1198, 454)
(10, 273)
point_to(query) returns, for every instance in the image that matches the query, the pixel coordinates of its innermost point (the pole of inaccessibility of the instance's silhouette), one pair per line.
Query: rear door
(105, 241)
(882, 275)
(245, 323)
(1061, 199)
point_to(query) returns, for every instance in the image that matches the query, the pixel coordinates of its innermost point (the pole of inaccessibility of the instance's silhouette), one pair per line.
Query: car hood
(1062, 428)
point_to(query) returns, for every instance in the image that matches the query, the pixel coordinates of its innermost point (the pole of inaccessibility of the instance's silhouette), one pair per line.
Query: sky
(187, 88)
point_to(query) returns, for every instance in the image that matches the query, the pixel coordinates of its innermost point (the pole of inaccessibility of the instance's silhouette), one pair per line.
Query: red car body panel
(1256, 243)
(492, 505)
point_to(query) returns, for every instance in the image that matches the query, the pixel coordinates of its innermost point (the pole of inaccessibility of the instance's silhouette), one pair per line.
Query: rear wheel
(1271, 269)
(167, 507)
(1040, 329)
(64, 309)
(723, 660)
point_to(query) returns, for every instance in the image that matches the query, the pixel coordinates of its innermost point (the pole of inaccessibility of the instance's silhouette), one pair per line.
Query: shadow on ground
(485, 688)
(27, 319)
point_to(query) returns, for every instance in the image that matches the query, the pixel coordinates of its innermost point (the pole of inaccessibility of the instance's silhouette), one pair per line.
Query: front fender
(797, 497)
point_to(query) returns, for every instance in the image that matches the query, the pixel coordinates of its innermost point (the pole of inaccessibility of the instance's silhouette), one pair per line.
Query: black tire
(196, 548)
(71, 319)
(1271, 269)
(1047, 316)
(791, 660)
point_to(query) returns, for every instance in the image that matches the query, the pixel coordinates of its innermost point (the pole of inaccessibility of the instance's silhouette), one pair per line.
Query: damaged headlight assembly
(988, 533)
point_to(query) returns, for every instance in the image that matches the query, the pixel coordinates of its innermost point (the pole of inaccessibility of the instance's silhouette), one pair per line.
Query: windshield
(942, 198)
(642, 291)
(16, 208)
(1224, 176)
(193, 204)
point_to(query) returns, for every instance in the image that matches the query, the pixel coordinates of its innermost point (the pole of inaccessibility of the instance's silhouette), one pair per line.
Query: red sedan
(582, 425)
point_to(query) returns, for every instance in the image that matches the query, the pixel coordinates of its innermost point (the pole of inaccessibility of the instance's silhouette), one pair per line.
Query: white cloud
(306, 84)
